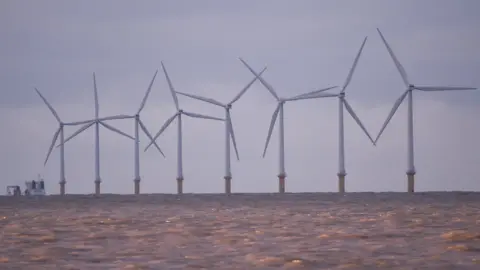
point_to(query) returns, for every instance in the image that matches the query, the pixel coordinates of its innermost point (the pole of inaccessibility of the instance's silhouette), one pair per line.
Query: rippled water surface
(261, 231)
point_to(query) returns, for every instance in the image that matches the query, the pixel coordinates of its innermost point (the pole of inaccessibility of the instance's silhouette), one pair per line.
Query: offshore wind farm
(240, 135)
(230, 138)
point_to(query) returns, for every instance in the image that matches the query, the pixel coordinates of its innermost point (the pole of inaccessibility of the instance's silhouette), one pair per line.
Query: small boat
(32, 188)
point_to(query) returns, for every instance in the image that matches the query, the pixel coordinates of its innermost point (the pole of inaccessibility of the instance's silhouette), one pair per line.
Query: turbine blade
(170, 85)
(79, 122)
(116, 117)
(54, 140)
(315, 92)
(311, 97)
(80, 130)
(272, 124)
(209, 100)
(145, 130)
(244, 90)
(116, 130)
(442, 88)
(355, 117)
(196, 115)
(147, 93)
(95, 95)
(352, 69)
(268, 86)
(165, 125)
(392, 112)
(232, 135)
(48, 105)
(395, 60)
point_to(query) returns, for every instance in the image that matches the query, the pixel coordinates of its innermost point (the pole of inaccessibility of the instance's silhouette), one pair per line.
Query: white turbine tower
(97, 122)
(229, 133)
(408, 92)
(58, 133)
(178, 115)
(279, 110)
(140, 125)
(343, 103)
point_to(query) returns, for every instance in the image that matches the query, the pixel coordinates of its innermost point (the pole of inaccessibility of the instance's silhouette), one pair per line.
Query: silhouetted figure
(34, 184)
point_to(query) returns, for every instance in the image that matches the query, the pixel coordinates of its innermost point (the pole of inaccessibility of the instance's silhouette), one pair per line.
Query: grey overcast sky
(56, 45)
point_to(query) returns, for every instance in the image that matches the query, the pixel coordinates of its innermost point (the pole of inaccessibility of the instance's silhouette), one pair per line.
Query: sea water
(242, 231)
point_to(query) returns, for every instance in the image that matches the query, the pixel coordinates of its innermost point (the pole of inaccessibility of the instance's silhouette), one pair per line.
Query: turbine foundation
(281, 183)
(180, 185)
(341, 182)
(228, 184)
(62, 187)
(136, 186)
(97, 187)
(411, 182)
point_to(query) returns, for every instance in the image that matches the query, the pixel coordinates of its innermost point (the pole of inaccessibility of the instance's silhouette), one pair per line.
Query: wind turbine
(97, 122)
(59, 133)
(229, 133)
(343, 103)
(178, 116)
(409, 92)
(140, 125)
(279, 110)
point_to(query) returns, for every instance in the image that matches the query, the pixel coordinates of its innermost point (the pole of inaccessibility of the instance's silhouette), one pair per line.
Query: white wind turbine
(279, 110)
(140, 125)
(178, 116)
(59, 133)
(229, 133)
(97, 122)
(408, 92)
(342, 102)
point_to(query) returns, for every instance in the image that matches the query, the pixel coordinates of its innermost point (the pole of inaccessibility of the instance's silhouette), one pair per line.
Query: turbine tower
(178, 116)
(97, 122)
(279, 110)
(140, 125)
(343, 103)
(59, 133)
(409, 92)
(229, 133)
